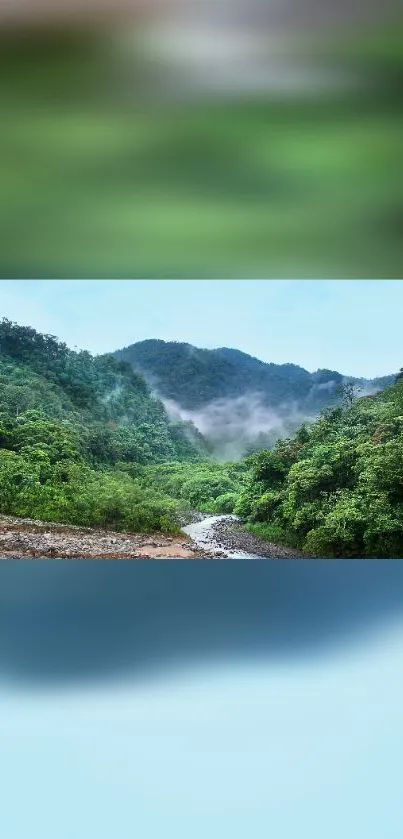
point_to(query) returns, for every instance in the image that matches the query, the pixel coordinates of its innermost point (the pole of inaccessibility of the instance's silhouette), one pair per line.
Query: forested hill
(80, 436)
(336, 489)
(107, 406)
(194, 377)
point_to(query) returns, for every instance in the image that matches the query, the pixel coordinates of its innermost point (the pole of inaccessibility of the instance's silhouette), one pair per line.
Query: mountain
(237, 401)
(194, 377)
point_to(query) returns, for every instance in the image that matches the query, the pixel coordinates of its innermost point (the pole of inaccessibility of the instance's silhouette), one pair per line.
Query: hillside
(111, 403)
(238, 402)
(76, 431)
(336, 489)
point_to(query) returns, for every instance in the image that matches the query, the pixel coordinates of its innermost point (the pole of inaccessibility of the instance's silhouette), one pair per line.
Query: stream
(205, 536)
(224, 536)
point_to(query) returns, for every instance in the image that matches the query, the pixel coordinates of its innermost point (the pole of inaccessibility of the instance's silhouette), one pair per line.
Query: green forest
(336, 489)
(84, 441)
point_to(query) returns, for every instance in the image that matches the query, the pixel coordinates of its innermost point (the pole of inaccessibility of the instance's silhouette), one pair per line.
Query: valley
(94, 461)
(239, 403)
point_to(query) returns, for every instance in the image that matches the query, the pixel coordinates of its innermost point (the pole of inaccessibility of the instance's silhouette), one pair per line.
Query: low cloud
(112, 395)
(232, 425)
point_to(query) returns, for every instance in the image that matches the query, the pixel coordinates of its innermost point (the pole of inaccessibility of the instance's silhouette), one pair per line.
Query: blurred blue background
(191, 699)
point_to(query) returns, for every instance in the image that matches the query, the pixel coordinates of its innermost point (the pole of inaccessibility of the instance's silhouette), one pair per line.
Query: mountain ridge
(194, 377)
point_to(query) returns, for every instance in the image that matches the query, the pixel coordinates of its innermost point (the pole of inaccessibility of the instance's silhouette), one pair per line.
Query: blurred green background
(105, 173)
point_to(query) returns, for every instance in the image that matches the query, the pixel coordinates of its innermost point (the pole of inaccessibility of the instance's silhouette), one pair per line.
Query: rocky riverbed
(24, 538)
(207, 537)
(225, 536)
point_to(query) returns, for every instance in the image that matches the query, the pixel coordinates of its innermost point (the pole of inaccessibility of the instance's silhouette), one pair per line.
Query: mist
(112, 395)
(232, 425)
(368, 389)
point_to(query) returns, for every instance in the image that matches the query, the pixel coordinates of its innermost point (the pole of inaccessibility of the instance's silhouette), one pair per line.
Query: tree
(349, 392)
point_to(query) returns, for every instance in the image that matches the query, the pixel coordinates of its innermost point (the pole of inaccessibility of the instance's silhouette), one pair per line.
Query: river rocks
(214, 537)
(230, 534)
(21, 538)
(224, 536)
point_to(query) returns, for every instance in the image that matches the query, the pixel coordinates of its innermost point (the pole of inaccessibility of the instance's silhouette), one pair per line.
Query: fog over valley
(237, 402)
(231, 426)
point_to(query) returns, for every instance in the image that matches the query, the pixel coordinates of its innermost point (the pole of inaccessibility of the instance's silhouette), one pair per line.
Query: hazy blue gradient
(308, 750)
(275, 709)
(351, 326)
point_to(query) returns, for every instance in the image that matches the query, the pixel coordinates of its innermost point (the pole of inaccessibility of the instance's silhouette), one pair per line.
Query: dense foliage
(69, 424)
(336, 489)
(207, 486)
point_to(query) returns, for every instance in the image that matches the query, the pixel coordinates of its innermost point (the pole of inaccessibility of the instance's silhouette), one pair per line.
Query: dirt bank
(21, 538)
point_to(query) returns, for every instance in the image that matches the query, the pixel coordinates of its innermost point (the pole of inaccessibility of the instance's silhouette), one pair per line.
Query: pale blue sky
(353, 326)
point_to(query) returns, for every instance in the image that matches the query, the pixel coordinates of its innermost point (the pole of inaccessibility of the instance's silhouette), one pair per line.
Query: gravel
(20, 538)
(229, 535)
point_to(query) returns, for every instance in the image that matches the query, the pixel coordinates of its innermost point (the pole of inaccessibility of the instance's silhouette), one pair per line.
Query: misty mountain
(235, 400)
(194, 377)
